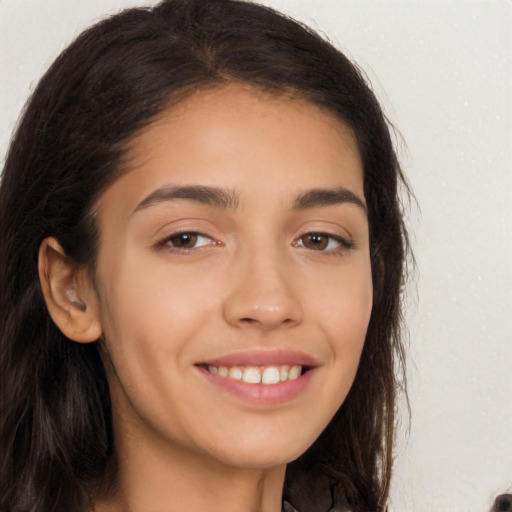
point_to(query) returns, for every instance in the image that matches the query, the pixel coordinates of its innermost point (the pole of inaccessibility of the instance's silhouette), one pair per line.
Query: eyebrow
(327, 197)
(212, 196)
(227, 199)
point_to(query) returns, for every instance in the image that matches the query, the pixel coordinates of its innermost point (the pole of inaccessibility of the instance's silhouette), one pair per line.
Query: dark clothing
(318, 495)
(290, 508)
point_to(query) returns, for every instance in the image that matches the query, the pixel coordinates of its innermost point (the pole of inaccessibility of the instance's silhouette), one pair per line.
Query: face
(234, 277)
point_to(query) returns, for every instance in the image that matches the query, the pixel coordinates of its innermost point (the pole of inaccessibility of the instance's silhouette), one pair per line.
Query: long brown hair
(55, 437)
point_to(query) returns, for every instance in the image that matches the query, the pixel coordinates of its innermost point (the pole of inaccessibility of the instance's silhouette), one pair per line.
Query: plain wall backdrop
(443, 71)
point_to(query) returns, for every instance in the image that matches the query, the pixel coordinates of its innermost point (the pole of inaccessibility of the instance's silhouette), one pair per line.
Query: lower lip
(261, 394)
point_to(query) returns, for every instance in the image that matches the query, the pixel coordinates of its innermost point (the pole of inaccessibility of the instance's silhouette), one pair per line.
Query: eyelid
(344, 242)
(164, 242)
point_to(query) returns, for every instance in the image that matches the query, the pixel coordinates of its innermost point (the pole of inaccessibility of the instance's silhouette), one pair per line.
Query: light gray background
(443, 71)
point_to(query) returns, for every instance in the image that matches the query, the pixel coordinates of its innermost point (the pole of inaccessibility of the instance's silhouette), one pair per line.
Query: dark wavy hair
(69, 146)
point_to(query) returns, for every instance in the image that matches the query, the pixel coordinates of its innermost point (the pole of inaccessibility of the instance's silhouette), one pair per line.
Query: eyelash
(167, 242)
(342, 243)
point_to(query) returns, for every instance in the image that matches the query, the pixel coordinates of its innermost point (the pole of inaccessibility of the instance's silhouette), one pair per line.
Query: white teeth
(235, 373)
(257, 375)
(223, 371)
(252, 375)
(294, 372)
(270, 375)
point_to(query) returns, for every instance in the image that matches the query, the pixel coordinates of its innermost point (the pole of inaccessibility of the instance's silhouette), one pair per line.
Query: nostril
(269, 309)
(265, 321)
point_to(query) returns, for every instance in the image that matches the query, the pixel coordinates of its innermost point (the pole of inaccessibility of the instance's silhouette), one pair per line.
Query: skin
(254, 282)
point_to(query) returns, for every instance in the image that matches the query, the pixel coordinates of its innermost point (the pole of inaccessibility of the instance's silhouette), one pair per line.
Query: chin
(262, 455)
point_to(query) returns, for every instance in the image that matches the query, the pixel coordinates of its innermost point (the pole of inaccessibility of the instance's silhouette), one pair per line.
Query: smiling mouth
(271, 374)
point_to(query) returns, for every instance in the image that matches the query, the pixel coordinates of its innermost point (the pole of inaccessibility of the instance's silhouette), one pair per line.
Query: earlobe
(70, 297)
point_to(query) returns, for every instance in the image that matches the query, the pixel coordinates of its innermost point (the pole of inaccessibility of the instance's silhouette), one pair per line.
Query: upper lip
(263, 358)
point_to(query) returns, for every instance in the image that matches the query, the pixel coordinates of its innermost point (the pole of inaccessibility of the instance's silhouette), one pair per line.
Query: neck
(151, 475)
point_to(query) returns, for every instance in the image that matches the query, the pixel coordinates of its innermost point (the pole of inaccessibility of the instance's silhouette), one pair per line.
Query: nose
(263, 295)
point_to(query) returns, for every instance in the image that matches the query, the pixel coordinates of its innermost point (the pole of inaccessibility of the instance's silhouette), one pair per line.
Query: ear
(69, 293)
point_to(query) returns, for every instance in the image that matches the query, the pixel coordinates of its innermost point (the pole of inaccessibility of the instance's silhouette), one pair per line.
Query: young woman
(202, 259)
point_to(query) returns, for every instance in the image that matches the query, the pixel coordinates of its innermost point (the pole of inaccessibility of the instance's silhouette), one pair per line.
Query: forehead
(239, 137)
(209, 117)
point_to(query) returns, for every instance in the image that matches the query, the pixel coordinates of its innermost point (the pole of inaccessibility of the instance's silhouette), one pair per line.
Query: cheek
(151, 321)
(345, 309)
(346, 299)
(153, 314)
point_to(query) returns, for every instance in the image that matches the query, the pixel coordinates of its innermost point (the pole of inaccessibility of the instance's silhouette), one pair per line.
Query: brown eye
(324, 242)
(315, 241)
(184, 240)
